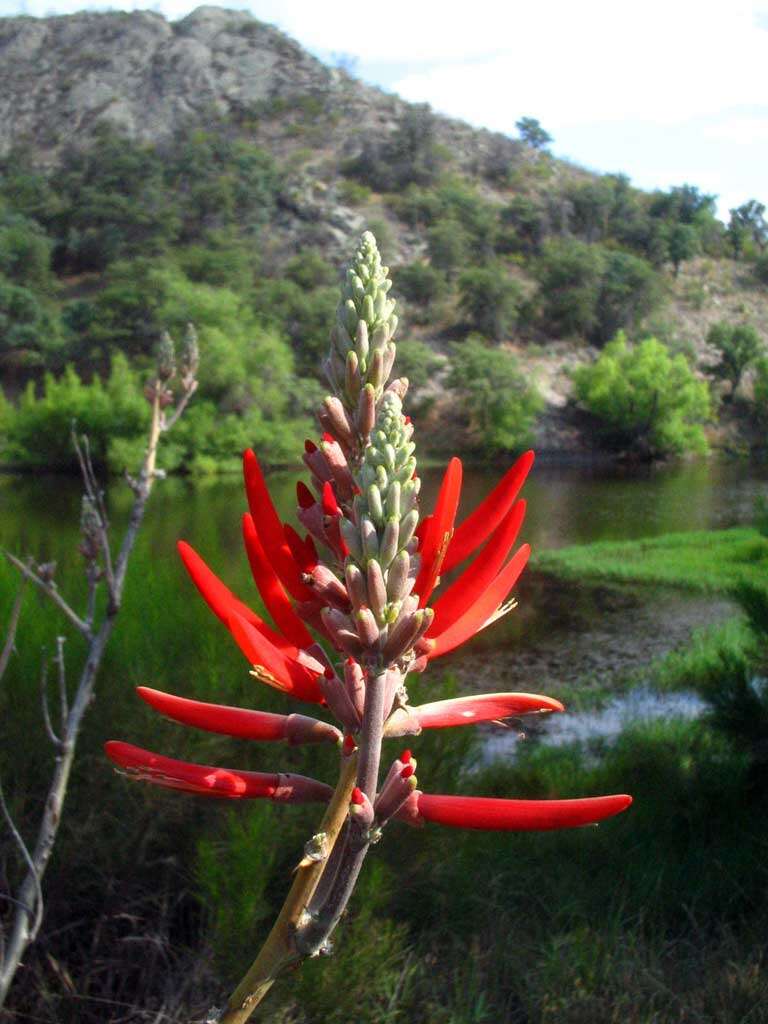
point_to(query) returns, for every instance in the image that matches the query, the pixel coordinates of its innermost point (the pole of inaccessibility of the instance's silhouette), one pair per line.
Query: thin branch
(51, 591)
(183, 402)
(63, 699)
(44, 701)
(38, 892)
(96, 495)
(13, 625)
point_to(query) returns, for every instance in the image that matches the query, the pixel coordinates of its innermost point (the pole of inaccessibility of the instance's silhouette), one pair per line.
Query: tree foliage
(646, 401)
(532, 133)
(739, 346)
(501, 404)
(490, 300)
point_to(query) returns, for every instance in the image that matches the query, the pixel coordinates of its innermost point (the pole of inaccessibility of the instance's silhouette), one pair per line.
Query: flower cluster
(353, 612)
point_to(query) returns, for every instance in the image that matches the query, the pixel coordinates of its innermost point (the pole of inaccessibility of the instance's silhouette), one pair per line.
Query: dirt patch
(567, 639)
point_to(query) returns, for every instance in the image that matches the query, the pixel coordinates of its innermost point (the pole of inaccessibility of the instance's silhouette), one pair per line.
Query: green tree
(682, 244)
(524, 226)
(739, 346)
(592, 203)
(25, 252)
(646, 401)
(448, 245)
(747, 223)
(39, 433)
(28, 325)
(422, 285)
(500, 403)
(629, 290)
(569, 273)
(490, 300)
(410, 155)
(532, 133)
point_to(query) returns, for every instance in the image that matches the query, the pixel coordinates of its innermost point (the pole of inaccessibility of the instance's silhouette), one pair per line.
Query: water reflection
(595, 728)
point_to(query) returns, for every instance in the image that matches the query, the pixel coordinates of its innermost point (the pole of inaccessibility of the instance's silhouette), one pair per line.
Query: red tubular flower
(227, 783)
(480, 574)
(478, 812)
(271, 589)
(482, 611)
(287, 668)
(481, 523)
(270, 529)
(219, 597)
(435, 537)
(239, 722)
(483, 707)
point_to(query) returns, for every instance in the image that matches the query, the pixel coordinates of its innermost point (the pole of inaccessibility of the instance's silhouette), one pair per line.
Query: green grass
(711, 561)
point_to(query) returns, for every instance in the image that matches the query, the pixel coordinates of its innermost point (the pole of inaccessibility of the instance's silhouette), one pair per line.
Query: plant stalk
(280, 949)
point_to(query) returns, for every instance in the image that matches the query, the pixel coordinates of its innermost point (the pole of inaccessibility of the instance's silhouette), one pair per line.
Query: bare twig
(44, 701)
(49, 588)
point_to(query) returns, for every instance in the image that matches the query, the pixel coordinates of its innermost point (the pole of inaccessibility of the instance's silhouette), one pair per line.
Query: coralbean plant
(355, 609)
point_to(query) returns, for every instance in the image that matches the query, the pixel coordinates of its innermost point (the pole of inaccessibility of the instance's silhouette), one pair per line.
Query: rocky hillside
(61, 76)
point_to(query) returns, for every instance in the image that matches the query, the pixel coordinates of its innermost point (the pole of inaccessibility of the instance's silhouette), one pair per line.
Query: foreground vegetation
(659, 915)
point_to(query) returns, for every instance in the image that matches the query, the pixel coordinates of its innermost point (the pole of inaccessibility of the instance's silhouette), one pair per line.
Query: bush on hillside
(569, 273)
(500, 402)
(646, 401)
(592, 291)
(490, 301)
(739, 346)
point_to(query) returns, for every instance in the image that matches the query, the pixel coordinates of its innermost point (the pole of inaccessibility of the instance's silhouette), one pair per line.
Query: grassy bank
(705, 560)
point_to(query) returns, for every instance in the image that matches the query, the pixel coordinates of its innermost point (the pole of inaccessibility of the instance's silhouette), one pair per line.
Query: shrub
(420, 283)
(629, 290)
(39, 429)
(761, 391)
(490, 300)
(761, 268)
(739, 346)
(448, 245)
(569, 274)
(500, 403)
(646, 400)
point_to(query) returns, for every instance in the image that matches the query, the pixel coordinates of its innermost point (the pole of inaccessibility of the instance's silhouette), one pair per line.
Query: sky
(667, 91)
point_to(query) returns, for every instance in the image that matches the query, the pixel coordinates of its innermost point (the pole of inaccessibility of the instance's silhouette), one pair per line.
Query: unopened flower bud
(166, 357)
(397, 577)
(190, 356)
(354, 680)
(367, 629)
(377, 590)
